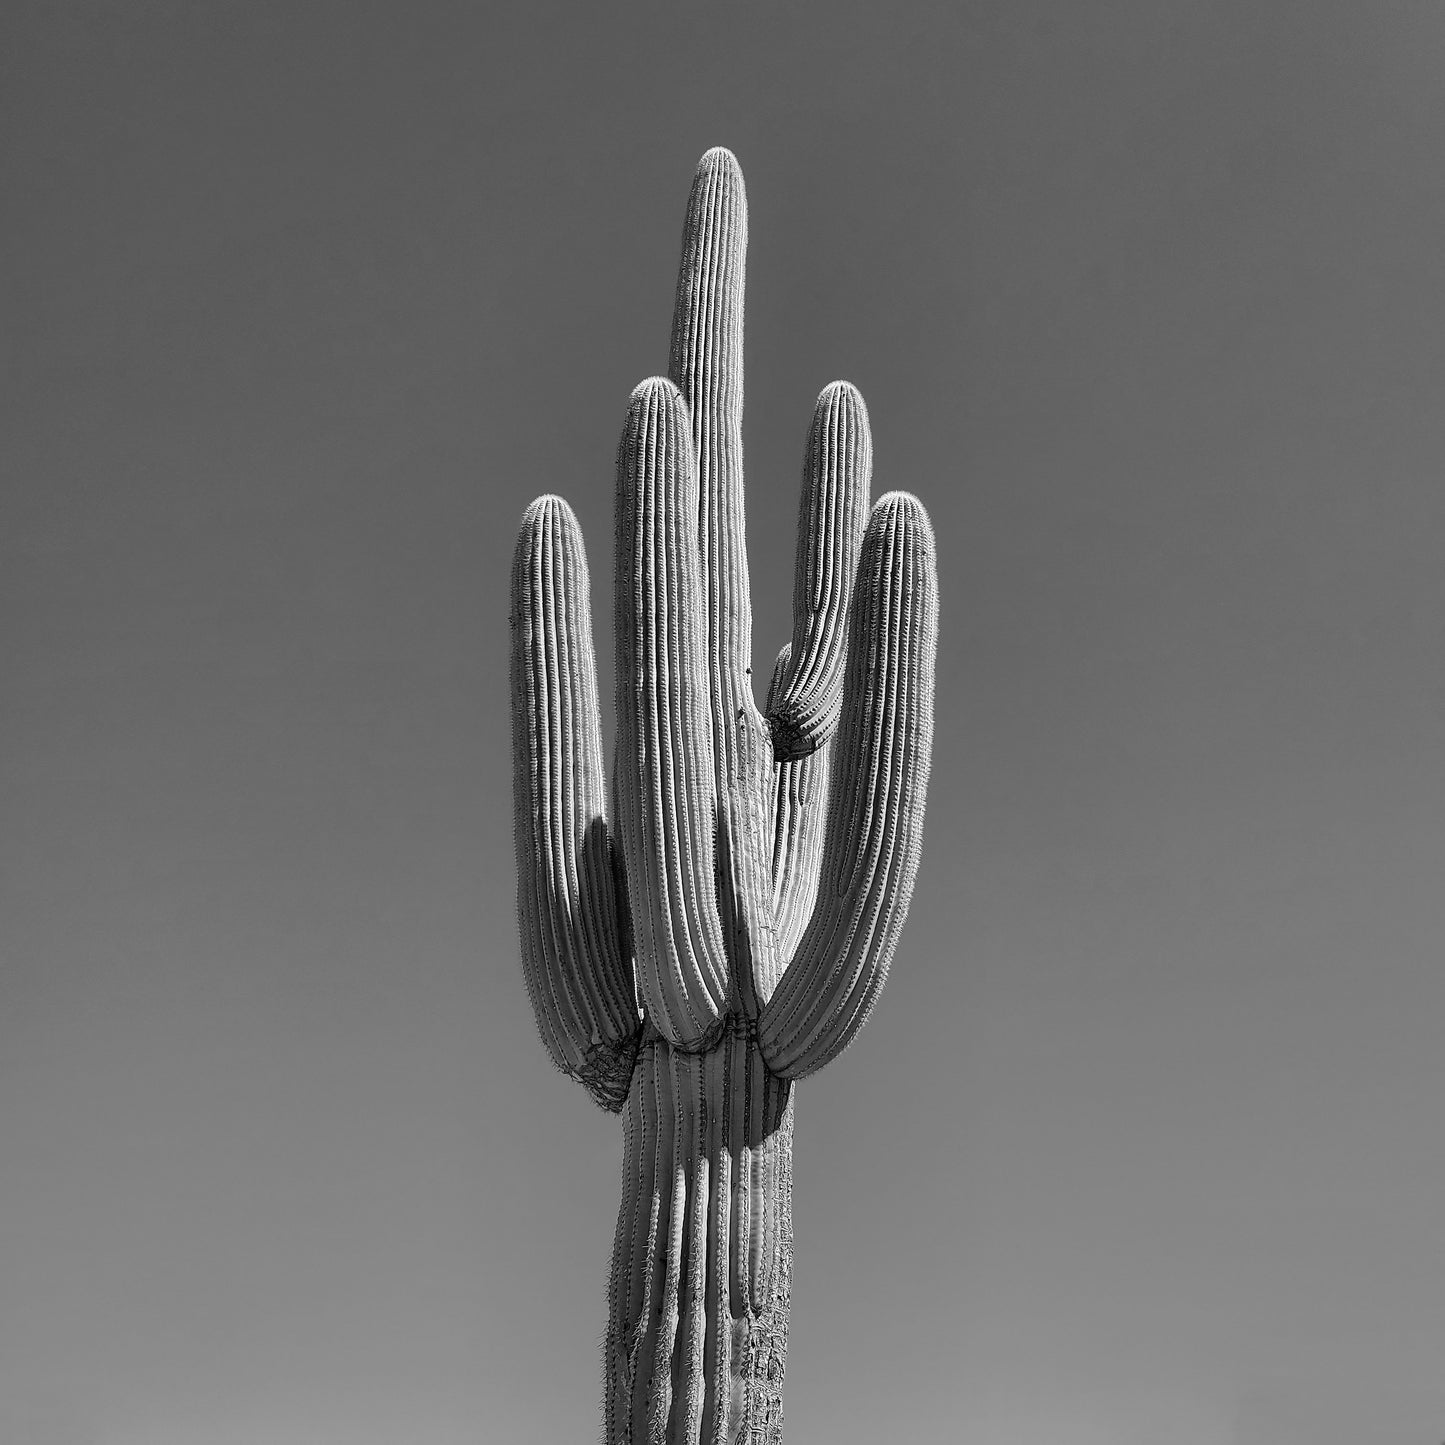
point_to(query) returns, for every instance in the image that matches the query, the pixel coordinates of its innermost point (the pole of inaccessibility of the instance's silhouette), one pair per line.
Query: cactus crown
(706, 899)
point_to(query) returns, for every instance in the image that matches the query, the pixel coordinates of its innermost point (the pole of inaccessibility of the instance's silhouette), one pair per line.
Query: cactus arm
(832, 513)
(875, 820)
(578, 976)
(800, 795)
(804, 700)
(664, 769)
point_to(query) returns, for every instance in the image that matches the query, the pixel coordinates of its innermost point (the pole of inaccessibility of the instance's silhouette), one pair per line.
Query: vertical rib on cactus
(747, 843)
(831, 517)
(664, 744)
(875, 822)
(567, 903)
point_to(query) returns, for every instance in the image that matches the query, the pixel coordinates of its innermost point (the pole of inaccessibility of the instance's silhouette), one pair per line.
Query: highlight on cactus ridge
(728, 930)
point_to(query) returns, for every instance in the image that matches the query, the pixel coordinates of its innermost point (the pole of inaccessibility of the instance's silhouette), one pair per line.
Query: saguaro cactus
(732, 931)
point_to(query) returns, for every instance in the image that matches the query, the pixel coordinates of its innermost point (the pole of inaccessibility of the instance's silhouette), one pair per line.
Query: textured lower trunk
(702, 1266)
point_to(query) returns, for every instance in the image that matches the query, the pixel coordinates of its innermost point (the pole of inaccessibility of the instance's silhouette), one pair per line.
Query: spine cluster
(730, 931)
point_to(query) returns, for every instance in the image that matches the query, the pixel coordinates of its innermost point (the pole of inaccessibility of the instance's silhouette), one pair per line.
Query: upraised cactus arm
(570, 906)
(875, 816)
(806, 691)
(832, 513)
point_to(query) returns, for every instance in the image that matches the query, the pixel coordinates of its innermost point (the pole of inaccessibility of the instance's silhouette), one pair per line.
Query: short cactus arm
(664, 766)
(832, 513)
(875, 819)
(568, 896)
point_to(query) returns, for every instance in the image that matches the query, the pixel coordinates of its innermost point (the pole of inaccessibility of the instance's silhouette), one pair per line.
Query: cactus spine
(733, 931)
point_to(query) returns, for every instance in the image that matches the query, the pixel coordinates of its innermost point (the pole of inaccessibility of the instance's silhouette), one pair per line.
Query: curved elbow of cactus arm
(606, 1072)
(814, 1022)
(579, 984)
(829, 990)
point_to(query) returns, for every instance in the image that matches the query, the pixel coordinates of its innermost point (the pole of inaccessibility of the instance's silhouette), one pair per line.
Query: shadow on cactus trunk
(702, 1265)
(730, 931)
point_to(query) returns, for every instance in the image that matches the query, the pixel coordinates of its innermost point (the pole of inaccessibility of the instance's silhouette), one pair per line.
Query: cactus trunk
(732, 931)
(702, 1264)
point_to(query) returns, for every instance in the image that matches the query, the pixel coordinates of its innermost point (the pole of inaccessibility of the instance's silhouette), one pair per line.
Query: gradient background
(1146, 1142)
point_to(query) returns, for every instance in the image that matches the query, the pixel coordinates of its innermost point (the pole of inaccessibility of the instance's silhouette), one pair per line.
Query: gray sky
(304, 304)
